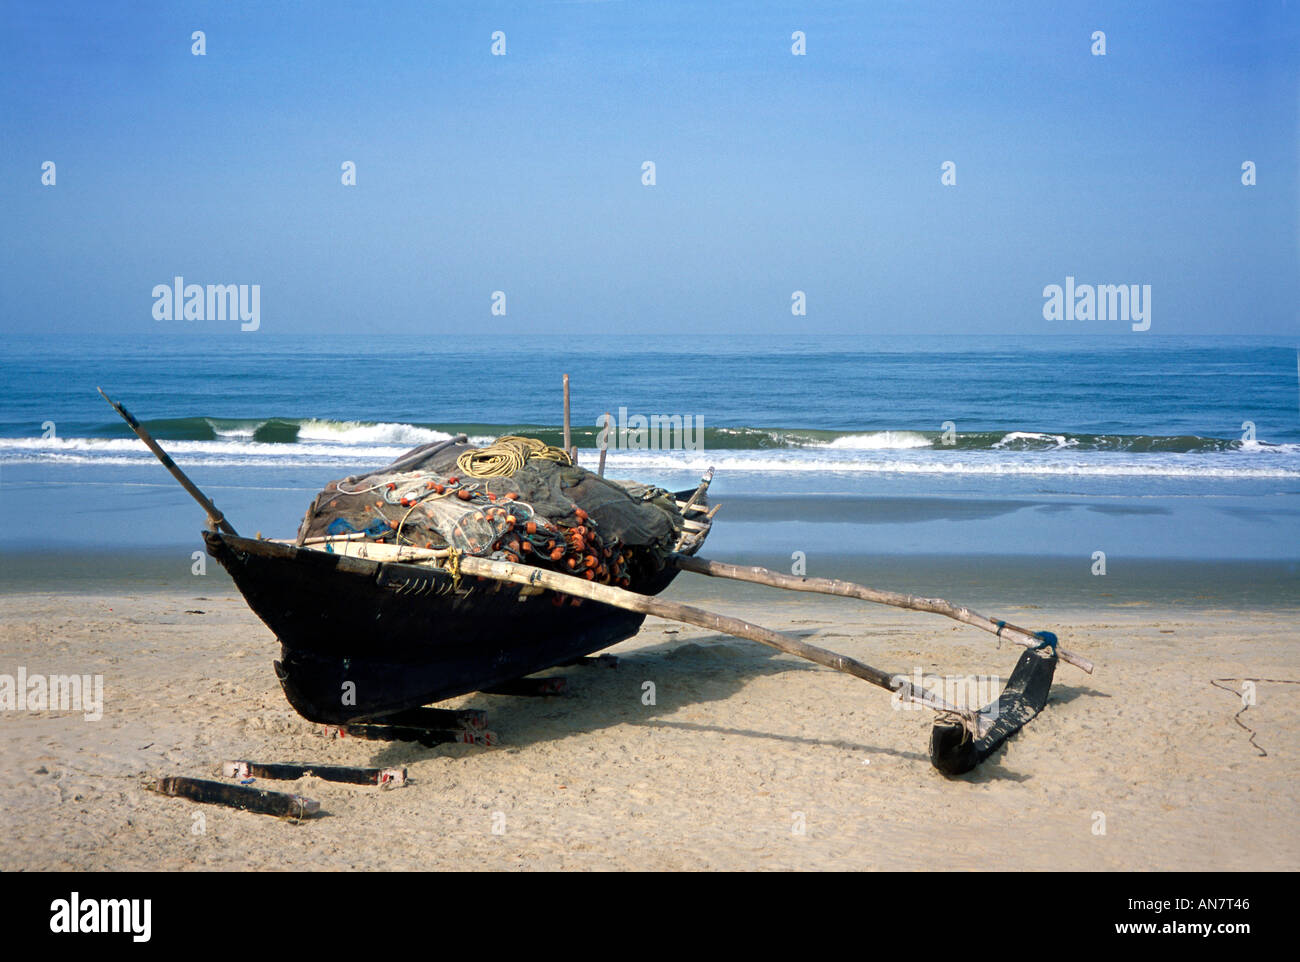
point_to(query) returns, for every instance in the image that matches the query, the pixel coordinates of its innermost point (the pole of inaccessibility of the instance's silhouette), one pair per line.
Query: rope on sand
(1237, 717)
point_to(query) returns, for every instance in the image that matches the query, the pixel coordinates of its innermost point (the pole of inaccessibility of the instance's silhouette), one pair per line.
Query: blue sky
(775, 173)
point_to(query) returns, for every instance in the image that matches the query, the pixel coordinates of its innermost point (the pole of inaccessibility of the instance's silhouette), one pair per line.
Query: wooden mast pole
(568, 449)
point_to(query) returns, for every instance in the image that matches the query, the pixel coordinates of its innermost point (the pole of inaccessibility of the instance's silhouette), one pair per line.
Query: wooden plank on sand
(330, 773)
(244, 797)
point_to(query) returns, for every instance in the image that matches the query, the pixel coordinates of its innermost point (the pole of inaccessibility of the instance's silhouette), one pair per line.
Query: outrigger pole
(960, 738)
(530, 575)
(216, 520)
(848, 589)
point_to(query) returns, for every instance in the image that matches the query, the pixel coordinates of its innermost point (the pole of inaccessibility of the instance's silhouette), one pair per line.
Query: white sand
(712, 776)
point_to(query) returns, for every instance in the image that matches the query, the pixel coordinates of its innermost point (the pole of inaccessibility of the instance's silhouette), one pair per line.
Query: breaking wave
(281, 442)
(309, 431)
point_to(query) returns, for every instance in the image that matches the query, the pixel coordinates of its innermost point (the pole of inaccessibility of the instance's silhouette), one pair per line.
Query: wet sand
(748, 759)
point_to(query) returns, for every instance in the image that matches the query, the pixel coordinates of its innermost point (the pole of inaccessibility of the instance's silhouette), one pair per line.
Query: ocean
(1139, 447)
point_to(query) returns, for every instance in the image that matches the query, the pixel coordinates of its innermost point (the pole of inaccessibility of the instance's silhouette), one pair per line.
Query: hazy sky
(775, 173)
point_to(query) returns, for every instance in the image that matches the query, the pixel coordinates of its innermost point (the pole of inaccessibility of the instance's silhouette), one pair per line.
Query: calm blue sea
(1138, 446)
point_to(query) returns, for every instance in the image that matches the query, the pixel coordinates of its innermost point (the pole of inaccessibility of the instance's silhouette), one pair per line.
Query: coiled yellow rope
(505, 456)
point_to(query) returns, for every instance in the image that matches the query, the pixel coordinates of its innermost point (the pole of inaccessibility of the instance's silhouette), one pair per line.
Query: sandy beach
(742, 749)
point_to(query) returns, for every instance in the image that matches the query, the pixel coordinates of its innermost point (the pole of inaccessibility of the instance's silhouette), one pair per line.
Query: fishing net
(518, 499)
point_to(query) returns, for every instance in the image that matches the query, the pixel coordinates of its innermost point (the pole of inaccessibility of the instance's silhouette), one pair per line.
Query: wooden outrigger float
(403, 626)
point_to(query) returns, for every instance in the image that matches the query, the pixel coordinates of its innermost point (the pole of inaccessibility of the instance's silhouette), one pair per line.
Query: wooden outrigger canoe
(373, 631)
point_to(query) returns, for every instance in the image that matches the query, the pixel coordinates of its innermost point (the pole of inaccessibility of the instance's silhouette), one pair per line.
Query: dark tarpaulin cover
(399, 502)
